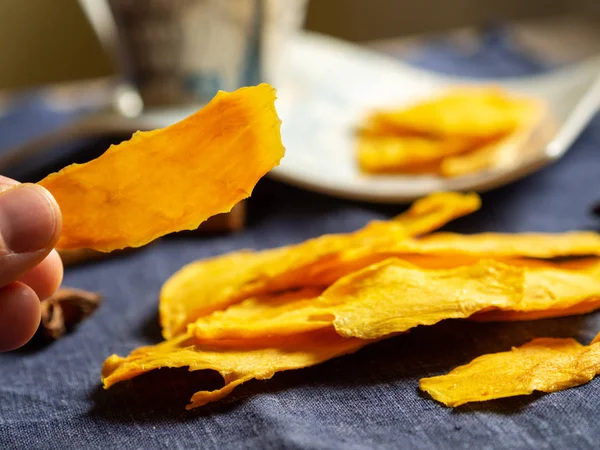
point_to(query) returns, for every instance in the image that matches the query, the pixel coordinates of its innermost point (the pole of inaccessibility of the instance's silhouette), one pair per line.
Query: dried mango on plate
(407, 154)
(458, 132)
(472, 112)
(544, 364)
(523, 143)
(170, 179)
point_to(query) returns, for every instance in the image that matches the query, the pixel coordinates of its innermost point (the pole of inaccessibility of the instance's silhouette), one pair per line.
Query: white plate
(330, 84)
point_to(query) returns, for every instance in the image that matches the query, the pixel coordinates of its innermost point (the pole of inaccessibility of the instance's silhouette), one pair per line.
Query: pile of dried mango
(249, 314)
(460, 131)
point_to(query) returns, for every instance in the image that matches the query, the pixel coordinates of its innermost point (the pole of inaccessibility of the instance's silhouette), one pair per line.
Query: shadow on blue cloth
(162, 394)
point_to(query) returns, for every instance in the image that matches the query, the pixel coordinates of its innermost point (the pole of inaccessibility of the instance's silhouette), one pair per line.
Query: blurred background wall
(49, 41)
(358, 20)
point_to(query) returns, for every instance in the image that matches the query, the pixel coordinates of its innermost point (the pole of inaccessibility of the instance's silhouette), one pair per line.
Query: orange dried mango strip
(236, 361)
(424, 215)
(480, 112)
(209, 285)
(533, 133)
(393, 297)
(206, 286)
(430, 213)
(367, 313)
(383, 299)
(173, 178)
(262, 317)
(447, 250)
(543, 364)
(385, 154)
(213, 284)
(199, 288)
(530, 245)
(550, 292)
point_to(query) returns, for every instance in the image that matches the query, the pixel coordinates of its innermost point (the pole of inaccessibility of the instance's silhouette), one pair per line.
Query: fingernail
(27, 218)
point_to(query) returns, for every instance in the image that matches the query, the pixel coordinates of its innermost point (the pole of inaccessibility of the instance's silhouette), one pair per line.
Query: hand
(30, 270)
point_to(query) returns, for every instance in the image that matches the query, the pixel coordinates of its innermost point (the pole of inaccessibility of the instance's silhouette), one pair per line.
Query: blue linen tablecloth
(51, 397)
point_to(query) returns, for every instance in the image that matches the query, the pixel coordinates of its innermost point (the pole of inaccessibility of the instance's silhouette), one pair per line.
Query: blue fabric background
(51, 397)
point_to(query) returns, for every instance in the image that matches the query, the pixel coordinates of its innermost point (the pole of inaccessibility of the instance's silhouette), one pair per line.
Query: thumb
(30, 224)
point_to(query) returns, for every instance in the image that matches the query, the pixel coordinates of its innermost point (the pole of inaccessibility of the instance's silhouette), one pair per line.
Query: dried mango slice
(393, 296)
(530, 245)
(430, 213)
(213, 284)
(491, 155)
(262, 317)
(198, 289)
(447, 250)
(551, 292)
(472, 112)
(209, 285)
(540, 292)
(395, 154)
(236, 361)
(173, 178)
(383, 299)
(532, 135)
(543, 364)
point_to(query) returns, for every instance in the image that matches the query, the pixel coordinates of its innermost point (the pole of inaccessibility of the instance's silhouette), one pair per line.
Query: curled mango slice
(429, 213)
(170, 179)
(551, 292)
(529, 245)
(213, 284)
(382, 299)
(448, 250)
(393, 297)
(263, 317)
(236, 361)
(209, 285)
(544, 364)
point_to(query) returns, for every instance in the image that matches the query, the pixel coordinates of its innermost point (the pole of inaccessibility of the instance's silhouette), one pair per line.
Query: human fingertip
(20, 314)
(30, 219)
(46, 277)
